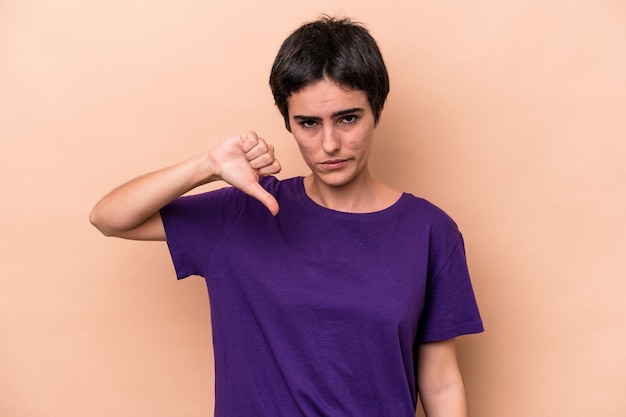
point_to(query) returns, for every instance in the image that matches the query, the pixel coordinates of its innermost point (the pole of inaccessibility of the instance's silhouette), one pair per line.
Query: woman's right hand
(241, 161)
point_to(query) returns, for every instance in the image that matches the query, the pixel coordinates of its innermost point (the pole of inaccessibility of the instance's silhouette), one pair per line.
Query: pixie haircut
(338, 49)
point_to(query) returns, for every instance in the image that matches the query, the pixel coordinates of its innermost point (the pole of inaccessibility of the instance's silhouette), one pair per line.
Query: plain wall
(510, 115)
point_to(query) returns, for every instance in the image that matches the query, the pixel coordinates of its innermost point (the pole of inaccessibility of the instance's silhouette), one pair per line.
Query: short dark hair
(335, 48)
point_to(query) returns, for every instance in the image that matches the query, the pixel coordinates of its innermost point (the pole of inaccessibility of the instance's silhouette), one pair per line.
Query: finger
(261, 148)
(255, 190)
(263, 160)
(273, 168)
(248, 141)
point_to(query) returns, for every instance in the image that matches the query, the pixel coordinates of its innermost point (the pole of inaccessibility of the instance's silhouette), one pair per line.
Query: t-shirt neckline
(314, 206)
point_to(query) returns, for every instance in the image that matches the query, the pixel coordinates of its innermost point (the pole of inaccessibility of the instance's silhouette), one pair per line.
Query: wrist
(203, 169)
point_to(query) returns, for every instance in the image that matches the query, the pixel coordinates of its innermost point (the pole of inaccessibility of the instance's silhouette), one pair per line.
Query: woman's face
(333, 127)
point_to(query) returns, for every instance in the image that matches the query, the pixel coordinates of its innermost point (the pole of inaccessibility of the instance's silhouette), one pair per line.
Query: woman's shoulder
(275, 186)
(426, 211)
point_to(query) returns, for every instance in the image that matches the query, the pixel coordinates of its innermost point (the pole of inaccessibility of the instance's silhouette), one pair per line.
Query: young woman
(331, 294)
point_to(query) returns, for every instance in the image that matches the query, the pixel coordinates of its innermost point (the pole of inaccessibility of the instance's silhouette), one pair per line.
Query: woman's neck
(365, 195)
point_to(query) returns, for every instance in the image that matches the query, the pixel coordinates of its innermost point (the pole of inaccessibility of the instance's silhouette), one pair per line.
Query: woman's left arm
(439, 380)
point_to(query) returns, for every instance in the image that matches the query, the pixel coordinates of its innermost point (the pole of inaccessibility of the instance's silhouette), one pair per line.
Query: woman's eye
(308, 123)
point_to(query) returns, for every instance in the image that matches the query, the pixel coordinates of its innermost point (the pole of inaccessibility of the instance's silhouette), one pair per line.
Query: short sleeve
(194, 224)
(450, 307)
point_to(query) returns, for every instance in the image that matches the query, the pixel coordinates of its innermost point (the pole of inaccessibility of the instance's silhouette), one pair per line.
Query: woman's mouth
(334, 164)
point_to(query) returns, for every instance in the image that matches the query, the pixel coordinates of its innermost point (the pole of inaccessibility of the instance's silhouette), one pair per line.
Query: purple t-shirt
(317, 312)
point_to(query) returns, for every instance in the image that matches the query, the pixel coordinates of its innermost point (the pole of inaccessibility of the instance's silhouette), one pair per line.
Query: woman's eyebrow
(347, 111)
(333, 115)
(307, 118)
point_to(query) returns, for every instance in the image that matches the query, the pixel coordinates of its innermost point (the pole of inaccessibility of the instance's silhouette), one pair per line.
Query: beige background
(510, 115)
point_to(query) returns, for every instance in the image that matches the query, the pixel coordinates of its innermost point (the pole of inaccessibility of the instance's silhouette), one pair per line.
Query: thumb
(255, 190)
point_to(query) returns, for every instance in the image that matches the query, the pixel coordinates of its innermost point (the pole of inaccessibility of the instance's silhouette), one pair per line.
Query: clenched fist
(241, 161)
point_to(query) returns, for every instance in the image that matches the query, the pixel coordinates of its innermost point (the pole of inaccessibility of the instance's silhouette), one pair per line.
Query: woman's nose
(331, 142)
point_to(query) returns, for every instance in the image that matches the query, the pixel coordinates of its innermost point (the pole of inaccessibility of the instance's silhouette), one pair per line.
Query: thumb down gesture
(241, 161)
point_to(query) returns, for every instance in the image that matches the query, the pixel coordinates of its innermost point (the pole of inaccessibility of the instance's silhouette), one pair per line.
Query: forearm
(132, 209)
(440, 381)
(133, 203)
(445, 401)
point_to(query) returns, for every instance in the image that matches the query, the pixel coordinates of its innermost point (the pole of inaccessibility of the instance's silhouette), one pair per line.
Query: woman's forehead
(327, 97)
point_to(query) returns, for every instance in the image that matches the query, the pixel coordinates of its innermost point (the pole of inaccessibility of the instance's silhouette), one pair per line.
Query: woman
(331, 294)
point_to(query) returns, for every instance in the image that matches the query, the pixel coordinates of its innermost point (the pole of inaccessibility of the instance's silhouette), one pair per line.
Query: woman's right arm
(131, 210)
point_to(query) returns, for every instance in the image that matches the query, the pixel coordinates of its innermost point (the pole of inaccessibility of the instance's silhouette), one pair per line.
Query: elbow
(96, 221)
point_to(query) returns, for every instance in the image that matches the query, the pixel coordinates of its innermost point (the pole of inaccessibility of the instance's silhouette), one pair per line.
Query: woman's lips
(334, 164)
